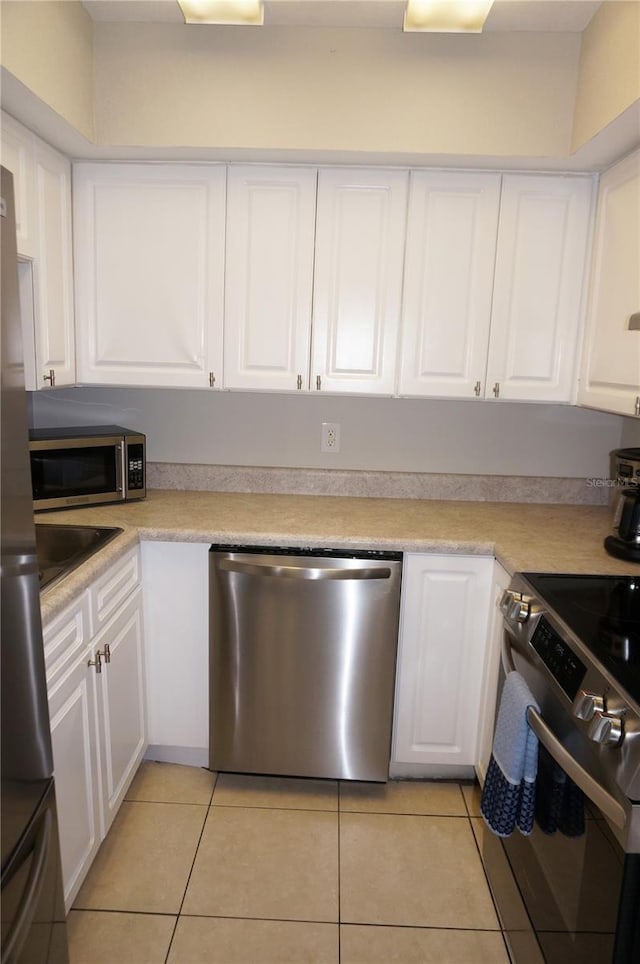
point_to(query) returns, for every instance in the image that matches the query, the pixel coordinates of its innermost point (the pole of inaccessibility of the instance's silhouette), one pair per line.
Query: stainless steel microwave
(86, 465)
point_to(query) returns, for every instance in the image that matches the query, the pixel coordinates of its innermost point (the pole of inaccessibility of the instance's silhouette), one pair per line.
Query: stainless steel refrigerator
(32, 905)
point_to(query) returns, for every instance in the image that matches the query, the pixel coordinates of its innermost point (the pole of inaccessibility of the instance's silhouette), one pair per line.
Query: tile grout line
(186, 886)
(486, 877)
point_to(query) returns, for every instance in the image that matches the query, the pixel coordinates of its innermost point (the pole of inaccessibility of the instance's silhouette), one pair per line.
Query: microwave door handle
(120, 468)
(590, 787)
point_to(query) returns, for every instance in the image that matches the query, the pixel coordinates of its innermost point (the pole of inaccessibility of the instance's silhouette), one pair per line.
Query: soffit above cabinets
(505, 15)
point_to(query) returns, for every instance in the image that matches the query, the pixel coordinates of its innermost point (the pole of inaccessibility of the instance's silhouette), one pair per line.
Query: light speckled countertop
(533, 538)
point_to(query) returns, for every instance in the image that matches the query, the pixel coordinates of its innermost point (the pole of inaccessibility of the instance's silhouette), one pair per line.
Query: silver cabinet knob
(606, 730)
(586, 705)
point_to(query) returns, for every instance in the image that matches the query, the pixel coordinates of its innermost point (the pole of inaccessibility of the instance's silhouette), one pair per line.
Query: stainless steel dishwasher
(302, 661)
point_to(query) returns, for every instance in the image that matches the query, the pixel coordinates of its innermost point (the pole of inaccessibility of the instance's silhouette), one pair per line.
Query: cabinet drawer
(112, 588)
(65, 636)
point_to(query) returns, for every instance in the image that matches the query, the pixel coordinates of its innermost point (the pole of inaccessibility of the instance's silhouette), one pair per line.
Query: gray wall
(411, 435)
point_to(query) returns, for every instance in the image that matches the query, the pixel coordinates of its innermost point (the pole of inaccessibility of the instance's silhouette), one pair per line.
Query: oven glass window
(71, 472)
(571, 890)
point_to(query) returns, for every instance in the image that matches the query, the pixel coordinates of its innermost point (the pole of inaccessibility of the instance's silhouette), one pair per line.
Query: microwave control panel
(135, 467)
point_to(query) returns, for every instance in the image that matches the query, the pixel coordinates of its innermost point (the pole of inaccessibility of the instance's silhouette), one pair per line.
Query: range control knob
(587, 704)
(515, 606)
(606, 730)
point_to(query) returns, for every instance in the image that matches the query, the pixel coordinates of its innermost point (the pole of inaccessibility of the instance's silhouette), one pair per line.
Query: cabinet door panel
(501, 580)
(451, 239)
(17, 157)
(176, 593)
(66, 636)
(55, 333)
(110, 590)
(360, 233)
(72, 703)
(269, 275)
(610, 377)
(149, 248)
(443, 627)
(121, 705)
(538, 290)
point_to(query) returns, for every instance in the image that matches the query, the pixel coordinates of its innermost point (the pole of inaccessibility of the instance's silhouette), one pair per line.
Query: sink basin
(61, 549)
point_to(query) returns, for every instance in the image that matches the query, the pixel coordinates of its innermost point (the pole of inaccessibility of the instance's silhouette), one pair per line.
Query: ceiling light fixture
(446, 16)
(223, 11)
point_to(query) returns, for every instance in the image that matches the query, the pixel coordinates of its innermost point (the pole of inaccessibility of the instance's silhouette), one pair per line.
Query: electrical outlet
(330, 438)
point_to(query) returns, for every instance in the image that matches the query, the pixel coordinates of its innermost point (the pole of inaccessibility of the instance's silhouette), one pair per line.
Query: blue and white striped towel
(508, 795)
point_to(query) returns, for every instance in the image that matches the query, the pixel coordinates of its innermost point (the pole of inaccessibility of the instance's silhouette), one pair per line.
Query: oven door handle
(590, 787)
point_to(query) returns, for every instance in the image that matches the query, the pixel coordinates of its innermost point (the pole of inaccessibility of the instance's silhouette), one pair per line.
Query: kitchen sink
(61, 548)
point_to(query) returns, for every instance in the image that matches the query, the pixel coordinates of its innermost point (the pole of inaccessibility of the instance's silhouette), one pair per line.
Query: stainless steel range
(576, 641)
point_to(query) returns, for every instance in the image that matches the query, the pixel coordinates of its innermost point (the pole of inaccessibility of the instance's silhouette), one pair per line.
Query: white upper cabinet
(149, 255)
(269, 277)
(42, 189)
(53, 270)
(359, 252)
(17, 156)
(610, 377)
(450, 255)
(540, 274)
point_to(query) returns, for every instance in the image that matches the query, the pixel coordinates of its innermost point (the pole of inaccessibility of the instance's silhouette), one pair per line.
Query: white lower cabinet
(98, 719)
(441, 658)
(72, 710)
(501, 580)
(176, 601)
(121, 704)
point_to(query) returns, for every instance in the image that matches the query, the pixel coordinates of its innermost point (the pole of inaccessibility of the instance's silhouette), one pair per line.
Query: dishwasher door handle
(299, 572)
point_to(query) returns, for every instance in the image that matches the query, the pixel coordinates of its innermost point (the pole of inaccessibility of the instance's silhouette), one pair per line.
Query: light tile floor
(199, 869)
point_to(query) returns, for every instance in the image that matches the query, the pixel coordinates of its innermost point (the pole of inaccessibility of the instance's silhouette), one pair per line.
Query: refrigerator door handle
(21, 923)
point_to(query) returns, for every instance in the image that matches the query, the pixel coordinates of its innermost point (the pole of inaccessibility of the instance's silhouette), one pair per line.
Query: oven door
(84, 471)
(576, 900)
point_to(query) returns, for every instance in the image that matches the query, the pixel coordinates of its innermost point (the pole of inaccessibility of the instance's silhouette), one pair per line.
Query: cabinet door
(360, 233)
(176, 601)
(610, 378)
(450, 257)
(269, 277)
(53, 270)
(489, 693)
(441, 653)
(121, 703)
(149, 255)
(72, 710)
(538, 296)
(17, 157)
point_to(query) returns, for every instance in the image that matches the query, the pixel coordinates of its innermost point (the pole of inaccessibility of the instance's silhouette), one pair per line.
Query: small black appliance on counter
(624, 541)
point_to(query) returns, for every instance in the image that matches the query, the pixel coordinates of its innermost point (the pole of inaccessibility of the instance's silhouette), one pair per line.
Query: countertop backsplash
(379, 485)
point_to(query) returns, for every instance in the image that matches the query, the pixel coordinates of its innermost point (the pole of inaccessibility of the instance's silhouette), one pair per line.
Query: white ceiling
(505, 15)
